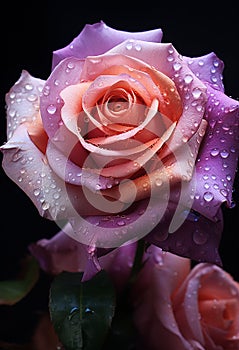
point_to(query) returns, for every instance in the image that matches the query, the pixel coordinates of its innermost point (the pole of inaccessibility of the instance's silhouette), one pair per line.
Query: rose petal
(217, 160)
(208, 282)
(23, 101)
(66, 73)
(60, 253)
(151, 297)
(192, 239)
(24, 163)
(158, 84)
(73, 174)
(98, 38)
(167, 60)
(208, 68)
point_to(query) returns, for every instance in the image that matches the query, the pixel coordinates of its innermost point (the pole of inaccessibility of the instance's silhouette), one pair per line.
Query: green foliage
(82, 312)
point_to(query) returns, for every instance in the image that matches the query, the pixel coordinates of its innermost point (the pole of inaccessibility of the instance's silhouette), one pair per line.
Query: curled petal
(166, 59)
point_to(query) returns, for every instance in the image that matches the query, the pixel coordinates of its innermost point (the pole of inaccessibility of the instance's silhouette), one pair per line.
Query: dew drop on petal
(177, 66)
(45, 205)
(36, 192)
(224, 153)
(129, 46)
(214, 152)
(208, 196)
(196, 93)
(51, 109)
(188, 78)
(138, 47)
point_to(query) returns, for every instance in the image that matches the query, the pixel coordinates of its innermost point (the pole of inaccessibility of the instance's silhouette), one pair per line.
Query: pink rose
(183, 309)
(123, 140)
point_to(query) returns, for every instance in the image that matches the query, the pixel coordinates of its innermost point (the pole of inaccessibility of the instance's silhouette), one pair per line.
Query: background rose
(179, 308)
(25, 163)
(174, 306)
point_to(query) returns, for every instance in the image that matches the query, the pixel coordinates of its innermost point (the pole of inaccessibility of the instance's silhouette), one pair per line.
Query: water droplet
(208, 196)
(73, 311)
(158, 182)
(32, 97)
(51, 109)
(177, 66)
(88, 310)
(138, 47)
(170, 58)
(224, 153)
(45, 205)
(196, 93)
(56, 195)
(121, 223)
(36, 192)
(70, 65)
(129, 45)
(214, 152)
(188, 78)
(28, 87)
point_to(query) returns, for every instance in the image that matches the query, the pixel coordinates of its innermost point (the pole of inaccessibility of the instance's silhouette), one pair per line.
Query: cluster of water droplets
(36, 178)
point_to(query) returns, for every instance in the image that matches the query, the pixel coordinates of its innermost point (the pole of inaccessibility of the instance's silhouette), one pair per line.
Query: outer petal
(27, 166)
(208, 68)
(23, 101)
(159, 279)
(98, 38)
(60, 253)
(218, 156)
(197, 237)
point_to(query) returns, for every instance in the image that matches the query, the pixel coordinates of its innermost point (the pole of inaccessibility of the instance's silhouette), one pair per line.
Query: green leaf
(12, 291)
(82, 312)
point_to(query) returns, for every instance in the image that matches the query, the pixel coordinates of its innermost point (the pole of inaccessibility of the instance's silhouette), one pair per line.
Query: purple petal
(60, 253)
(218, 156)
(208, 69)
(197, 238)
(98, 38)
(67, 72)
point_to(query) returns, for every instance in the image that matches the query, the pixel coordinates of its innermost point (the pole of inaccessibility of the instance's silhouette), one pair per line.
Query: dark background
(32, 30)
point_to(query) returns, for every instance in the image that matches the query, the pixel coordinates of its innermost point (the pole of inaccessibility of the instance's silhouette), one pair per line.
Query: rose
(183, 309)
(174, 306)
(126, 139)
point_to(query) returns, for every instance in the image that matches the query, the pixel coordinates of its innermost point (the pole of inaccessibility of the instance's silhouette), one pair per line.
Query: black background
(32, 30)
